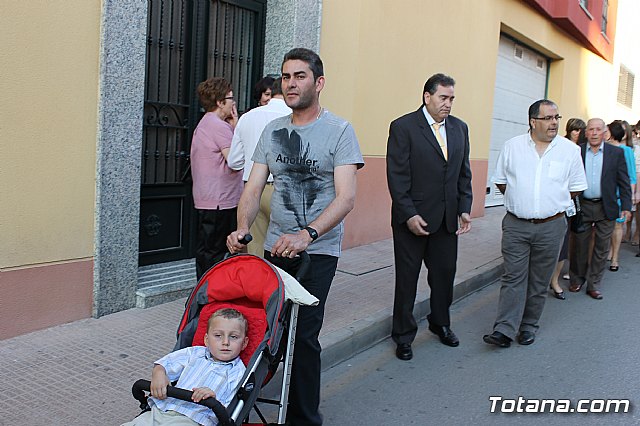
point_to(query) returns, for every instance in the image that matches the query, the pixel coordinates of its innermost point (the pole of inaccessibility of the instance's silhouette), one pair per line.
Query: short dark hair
(261, 86)
(617, 130)
(431, 85)
(534, 109)
(276, 89)
(211, 91)
(309, 56)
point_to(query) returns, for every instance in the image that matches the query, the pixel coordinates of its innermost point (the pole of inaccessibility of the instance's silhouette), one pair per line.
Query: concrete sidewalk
(81, 373)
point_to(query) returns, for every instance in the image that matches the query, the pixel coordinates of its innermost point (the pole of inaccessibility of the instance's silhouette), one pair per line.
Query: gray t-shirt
(301, 160)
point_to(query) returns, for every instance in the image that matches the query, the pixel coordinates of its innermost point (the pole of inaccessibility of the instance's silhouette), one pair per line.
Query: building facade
(95, 124)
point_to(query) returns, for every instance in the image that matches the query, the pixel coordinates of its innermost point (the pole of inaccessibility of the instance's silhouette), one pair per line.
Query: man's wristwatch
(312, 233)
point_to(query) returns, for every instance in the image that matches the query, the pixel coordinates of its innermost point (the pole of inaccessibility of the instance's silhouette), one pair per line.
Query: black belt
(537, 221)
(593, 200)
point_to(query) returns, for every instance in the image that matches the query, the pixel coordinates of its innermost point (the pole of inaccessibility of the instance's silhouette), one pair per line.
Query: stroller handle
(305, 264)
(246, 239)
(218, 409)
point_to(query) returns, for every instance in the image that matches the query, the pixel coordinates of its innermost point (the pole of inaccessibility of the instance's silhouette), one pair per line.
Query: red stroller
(269, 298)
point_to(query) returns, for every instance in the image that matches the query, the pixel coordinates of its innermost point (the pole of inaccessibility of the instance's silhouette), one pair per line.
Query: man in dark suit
(608, 180)
(429, 179)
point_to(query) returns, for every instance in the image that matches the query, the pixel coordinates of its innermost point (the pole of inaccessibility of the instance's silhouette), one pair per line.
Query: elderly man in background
(607, 176)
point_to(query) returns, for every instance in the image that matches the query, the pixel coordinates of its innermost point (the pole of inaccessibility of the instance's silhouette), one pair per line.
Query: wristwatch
(312, 233)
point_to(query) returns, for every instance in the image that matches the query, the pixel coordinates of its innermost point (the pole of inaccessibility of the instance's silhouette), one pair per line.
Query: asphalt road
(585, 349)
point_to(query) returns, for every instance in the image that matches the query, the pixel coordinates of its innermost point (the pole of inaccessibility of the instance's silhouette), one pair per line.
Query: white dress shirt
(539, 187)
(248, 131)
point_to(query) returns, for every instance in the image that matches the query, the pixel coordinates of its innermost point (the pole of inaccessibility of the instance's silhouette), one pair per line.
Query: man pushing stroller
(313, 156)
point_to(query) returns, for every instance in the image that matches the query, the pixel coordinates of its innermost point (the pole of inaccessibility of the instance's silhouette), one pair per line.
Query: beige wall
(49, 86)
(378, 54)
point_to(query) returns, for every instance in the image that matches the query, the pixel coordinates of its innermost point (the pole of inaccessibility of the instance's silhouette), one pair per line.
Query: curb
(343, 344)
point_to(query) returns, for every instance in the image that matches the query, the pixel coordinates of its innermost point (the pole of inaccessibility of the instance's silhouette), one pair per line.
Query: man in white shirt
(538, 173)
(245, 138)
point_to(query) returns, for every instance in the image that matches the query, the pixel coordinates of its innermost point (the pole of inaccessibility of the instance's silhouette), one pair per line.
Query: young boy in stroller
(268, 298)
(211, 371)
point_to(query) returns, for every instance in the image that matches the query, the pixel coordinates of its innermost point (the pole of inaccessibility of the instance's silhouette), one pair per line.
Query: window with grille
(187, 42)
(626, 81)
(605, 14)
(234, 34)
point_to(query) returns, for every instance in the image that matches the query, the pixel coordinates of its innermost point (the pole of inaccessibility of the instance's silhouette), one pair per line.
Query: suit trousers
(530, 252)
(581, 268)
(304, 393)
(261, 224)
(213, 228)
(438, 251)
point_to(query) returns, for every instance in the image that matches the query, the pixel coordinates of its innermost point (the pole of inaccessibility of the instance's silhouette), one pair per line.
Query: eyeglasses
(548, 118)
(230, 98)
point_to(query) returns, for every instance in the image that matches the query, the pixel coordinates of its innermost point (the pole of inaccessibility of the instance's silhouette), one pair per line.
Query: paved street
(584, 349)
(81, 373)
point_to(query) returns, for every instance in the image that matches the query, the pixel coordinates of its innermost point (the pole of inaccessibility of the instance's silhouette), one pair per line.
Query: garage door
(521, 79)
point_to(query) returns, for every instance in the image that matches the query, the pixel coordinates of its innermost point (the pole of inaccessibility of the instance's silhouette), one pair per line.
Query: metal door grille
(188, 41)
(231, 48)
(166, 106)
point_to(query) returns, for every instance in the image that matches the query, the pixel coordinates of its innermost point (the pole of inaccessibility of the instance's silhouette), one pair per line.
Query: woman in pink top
(216, 187)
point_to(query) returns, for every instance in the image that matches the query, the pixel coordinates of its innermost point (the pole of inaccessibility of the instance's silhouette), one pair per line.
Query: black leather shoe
(446, 335)
(498, 339)
(526, 337)
(404, 352)
(558, 294)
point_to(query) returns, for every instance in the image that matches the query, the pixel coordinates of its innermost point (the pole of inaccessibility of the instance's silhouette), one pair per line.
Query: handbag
(577, 221)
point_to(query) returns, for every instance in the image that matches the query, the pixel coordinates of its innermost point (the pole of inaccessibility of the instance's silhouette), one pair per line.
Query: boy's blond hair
(229, 313)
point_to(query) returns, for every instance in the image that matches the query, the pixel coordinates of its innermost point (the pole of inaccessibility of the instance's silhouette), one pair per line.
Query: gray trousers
(530, 252)
(582, 268)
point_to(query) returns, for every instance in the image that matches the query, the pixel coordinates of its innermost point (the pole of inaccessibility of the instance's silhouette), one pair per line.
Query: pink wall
(370, 220)
(43, 296)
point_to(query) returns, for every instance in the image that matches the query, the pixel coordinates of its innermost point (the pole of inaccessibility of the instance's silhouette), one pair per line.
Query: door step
(165, 282)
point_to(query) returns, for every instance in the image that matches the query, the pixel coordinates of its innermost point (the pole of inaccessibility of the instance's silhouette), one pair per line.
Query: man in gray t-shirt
(302, 160)
(313, 156)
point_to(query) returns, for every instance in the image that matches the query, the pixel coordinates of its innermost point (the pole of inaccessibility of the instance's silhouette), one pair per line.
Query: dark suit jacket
(614, 180)
(420, 180)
